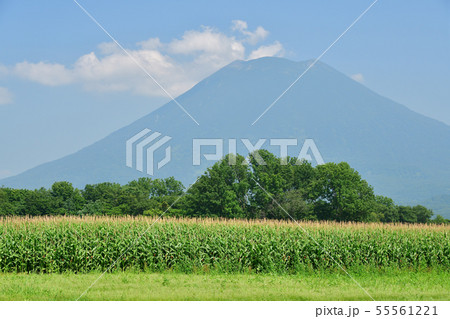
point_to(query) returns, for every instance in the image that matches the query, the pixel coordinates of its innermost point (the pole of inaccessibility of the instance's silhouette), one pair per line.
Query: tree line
(261, 186)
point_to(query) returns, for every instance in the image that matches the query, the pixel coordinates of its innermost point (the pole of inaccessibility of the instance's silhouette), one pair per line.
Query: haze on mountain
(403, 154)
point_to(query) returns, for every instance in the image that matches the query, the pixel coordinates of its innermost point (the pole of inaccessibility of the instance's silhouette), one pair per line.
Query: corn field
(60, 244)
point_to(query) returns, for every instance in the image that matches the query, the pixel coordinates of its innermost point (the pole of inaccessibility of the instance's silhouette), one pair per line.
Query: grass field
(57, 258)
(394, 285)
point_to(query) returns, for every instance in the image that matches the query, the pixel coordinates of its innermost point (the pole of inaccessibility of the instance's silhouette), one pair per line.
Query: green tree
(166, 187)
(66, 198)
(385, 209)
(134, 197)
(422, 213)
(6, 207)
(440, 220)
(339, 193)
(108, 193)
(39, 202)
(290, 204)
(97, 208)
(146, 194)
(302, 174)
(407, 214)
(269, 180)
(221, 191)
(279, 180)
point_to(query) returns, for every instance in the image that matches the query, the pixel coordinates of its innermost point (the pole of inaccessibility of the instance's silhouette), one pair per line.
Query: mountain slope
(401, 153)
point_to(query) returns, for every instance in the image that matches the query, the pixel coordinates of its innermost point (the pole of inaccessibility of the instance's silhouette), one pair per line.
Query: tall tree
(67, 199)
(423, 214)
(385, 209)
(221, 191)
(407, 214)
(339, 193)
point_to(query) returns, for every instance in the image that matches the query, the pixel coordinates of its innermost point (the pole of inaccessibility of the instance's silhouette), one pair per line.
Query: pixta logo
(307, 152)
(149, 143)
(141, 148)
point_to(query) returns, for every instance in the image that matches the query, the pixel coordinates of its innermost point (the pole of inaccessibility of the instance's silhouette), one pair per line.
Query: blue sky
(63, 85)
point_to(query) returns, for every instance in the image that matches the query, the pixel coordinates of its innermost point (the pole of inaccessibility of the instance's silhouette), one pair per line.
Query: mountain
(404, 155)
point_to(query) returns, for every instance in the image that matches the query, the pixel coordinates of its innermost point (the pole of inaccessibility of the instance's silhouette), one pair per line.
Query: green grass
(390, 285)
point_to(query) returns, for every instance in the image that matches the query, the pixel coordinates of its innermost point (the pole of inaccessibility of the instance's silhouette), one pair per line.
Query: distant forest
(263, 186)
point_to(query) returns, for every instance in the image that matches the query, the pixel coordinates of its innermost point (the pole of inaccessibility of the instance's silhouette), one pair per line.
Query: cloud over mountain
(177, 65)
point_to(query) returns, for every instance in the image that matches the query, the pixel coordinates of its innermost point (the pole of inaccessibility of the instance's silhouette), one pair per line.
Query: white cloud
(108, 48)
(239, 25)
(177, 65)
(209, 49)
(358, 77)
(206, 41)
(150, 44)
(251, 37)
(275, 49)
(6, 96)
(51, 74)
